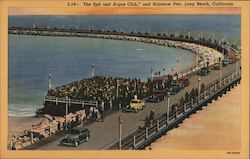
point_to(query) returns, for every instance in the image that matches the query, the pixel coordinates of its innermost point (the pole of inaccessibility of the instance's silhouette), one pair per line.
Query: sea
(32, 58)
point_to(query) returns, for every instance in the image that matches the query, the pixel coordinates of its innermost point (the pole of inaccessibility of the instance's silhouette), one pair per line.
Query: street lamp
(120, 132)
(168, 107)
(220, 70)
(199, 86)
(236, 67)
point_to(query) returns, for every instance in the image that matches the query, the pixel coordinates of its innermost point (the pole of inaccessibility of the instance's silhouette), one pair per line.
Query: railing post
(82, 104)
(176, 112)
(11, 145)
(31, 137)
(158, 125)
(146, 132)
(185, 107)
(192, 103)
(56, 101)
(134, 142)
(210, 91)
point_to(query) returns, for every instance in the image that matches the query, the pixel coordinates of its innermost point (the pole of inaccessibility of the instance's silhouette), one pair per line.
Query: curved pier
(134, 137)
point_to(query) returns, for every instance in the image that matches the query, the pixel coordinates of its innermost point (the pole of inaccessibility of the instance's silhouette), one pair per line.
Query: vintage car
(225, 63)
(183, 81)
(203, 71)
(77, 136)
(134, 106)
(216, 66)
(156, 97)
(174, 88)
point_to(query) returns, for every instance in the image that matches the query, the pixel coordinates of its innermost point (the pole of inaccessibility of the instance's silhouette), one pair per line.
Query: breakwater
(192, 44)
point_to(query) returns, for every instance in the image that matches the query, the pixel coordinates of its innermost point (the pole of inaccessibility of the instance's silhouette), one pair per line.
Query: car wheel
(76, 143)
(87, 138)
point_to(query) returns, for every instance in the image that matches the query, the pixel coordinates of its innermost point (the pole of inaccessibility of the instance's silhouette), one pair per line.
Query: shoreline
(18, 124)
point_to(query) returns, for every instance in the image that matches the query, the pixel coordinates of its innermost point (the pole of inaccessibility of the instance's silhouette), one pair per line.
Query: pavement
(103, 133)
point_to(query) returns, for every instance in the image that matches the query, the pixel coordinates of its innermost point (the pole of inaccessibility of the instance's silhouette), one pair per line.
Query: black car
(77, 136)
(155, 98)
(174, 88)
(203, 71)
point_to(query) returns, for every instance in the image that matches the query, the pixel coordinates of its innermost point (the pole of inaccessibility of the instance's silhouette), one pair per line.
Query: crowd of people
(109, 91)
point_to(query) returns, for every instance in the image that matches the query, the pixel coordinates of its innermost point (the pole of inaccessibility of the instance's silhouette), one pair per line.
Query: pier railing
(142, 136)
(34, 135)
(68, 101)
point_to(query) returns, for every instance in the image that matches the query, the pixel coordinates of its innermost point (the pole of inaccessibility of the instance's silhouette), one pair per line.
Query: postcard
(124, 79)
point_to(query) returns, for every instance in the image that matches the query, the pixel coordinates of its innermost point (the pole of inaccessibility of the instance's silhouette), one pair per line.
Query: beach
(216, 127)
(17, 125)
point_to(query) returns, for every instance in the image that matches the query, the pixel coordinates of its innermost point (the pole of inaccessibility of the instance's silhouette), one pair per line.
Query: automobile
(134, 106)
(155, 97)
(216, 66)
(203, 71)
(232, 59)
(77, 136)
(174, 88)
(225, 63)
(183, 81)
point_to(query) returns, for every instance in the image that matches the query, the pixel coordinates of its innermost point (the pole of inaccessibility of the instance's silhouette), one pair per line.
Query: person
(151, 116)
(72, 124)
(77, 120)
(87, 111)
(68, 125)
(59, 126)
(147, 122)
(102, 106)
(110, 104)
(64, 125)
(84, 122)
(91, 111)
(102, 115)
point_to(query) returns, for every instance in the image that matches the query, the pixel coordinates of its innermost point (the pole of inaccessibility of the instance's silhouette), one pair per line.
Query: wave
(22, 109)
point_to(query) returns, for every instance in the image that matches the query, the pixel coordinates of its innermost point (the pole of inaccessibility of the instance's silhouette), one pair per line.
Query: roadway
(103, 133)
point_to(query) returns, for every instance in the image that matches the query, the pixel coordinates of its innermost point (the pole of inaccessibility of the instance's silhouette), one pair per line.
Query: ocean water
(68, 59)
(223, 25)
(31, 58)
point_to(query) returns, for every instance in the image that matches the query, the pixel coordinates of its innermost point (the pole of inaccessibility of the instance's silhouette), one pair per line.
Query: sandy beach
(216, 127)
(17, 125)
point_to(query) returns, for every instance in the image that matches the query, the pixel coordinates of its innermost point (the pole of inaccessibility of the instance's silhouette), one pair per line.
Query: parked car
(134, 106)
(225, 62)
(174, 88)
(156, 97)
(77, 136)
(216, 66)
(183, 81)
(203, 71)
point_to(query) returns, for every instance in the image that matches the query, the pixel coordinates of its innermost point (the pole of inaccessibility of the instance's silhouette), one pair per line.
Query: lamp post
(120, 132)
(220, 70)
(236, 67)
(168, 107)
(199, 86)
(49, 82)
